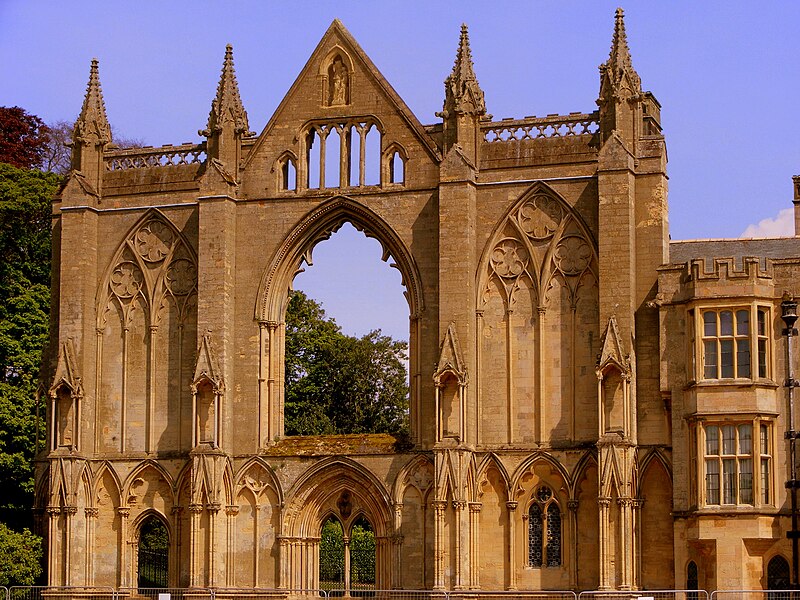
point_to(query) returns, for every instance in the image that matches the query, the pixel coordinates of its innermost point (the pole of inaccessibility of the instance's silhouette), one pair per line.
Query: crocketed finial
(228, 103)
(463, 94)
(619, 61)
(92, 119)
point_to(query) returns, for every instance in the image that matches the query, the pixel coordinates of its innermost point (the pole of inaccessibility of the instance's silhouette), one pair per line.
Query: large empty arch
(273, 296)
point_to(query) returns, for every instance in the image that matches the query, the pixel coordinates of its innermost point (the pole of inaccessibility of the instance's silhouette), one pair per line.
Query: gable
(339, 89)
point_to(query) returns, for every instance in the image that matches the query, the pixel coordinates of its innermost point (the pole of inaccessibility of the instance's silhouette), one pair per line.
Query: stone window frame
(544, 506)
(758, 338)
(761, 456)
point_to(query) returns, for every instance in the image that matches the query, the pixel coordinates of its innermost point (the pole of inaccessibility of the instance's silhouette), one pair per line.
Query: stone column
(636, 505)
(283, 563)
(626, 542)
(53, 513)
(211, 543)
(438, 546)
(572, 505)
(458, 509)
(69, 512)
(91, 519)
(397, 546)
(604, 504)
(124, 571)
(474, 545)
(231, 511)
(512, 545)
(175, 559)
(194, 559)
(347, 581)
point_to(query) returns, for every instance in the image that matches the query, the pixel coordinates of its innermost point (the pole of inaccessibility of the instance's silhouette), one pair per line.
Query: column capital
(91, 511)
(232, 510)
(604, 501)
(512, 505)
(195, 508)
(572, 505)
(475, 507)
(124, 512)
(459, 504)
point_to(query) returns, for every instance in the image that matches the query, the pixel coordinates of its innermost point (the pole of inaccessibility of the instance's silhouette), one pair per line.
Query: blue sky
(725, 73)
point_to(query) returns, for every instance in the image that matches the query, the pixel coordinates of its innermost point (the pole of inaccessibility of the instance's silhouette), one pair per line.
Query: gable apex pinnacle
(227, 104)
(612, 350)
(463, 94)
(92, 119)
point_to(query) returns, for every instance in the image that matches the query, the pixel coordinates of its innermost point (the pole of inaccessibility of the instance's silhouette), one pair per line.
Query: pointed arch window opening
(341, 154)
(397, 167)
(395, 417)
(288, 173)
(544, 529)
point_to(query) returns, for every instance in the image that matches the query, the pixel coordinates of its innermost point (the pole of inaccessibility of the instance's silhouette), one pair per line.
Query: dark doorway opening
(153, 555)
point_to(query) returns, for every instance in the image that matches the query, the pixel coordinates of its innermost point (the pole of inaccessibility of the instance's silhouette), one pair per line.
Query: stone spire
(92, 125)
(619, 67)
(463, 94)
(227, 105)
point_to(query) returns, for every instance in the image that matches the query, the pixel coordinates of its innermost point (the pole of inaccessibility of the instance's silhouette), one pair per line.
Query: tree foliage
(23, 138)
(24, 327)
(336, 383)
(20, 557)
(58, 157)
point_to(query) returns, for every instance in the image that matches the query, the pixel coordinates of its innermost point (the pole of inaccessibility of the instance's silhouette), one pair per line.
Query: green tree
(336, 383)
(20, 557)
(25, 198)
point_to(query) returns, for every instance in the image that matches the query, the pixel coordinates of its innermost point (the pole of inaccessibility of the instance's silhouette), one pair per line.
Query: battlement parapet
(749, 268)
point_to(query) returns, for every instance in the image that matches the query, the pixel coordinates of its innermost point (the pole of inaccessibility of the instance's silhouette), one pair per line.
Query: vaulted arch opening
(284, 340)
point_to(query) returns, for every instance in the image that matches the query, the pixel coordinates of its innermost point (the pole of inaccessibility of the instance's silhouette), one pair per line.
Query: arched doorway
(778, 577)
(347, 562)
(153, 554)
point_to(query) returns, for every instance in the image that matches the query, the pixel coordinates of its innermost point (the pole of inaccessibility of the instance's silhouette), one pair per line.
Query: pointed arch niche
(276, 285)
(146, 333)
(537, 309)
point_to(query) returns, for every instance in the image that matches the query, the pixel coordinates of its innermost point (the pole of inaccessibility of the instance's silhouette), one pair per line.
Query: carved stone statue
(338, 81)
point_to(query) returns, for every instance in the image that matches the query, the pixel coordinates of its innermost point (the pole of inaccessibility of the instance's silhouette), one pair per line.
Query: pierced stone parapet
(533, 128)
(163, 156)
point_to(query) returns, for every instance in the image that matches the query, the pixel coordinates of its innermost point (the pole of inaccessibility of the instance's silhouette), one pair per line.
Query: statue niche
(338, 83)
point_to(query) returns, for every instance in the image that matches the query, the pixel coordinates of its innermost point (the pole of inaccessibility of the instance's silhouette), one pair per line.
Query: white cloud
(780, 226)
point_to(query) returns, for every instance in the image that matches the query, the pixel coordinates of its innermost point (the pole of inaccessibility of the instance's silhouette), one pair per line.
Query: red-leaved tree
(23, 138)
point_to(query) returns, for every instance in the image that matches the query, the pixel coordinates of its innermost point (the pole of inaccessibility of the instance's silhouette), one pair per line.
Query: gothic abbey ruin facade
(589, 402)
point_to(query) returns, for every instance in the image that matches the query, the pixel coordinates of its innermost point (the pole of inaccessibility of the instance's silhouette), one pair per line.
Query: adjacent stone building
(590, 403)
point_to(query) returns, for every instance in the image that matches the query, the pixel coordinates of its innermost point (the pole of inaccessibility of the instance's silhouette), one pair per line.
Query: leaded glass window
(544, 530)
